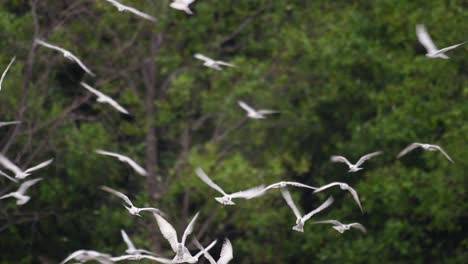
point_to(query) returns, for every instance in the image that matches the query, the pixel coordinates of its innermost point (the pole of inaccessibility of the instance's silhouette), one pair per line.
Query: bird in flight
(5, 72)
(342, 227)
(67, 54)
(300, 220)
(226, 254)
(227, 198)
(19, 195)
(432, 50)
(424, 146)
(133, 210)
(255, 114)
(182, 5)
(213, 64)
(343, 186)
(102, 98)
(131, 249)
(124, 8)
(89, 255)
(284, 184)
(125, 159)
(8, 123)
(355, 167)
(20, 174)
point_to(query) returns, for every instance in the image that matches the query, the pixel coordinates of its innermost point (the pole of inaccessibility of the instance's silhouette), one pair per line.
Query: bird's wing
(153, 210)
(188, 2)
(333, 222)
(81, 64)
(50, 46)
(8, 122)
(367, 157)
(443, 153)
(72, 256)
(246, 107)
(117, 106)
(127, 240)
(409, 148)
(287, 197)
(202, 175)
(139, 169)
(449, 48)
(298, 184)
(140, 14)
(202, 57)
(267, 112)
(249, 193)
(322, 207)
(205, 250)
(226, 253)
(205, 253)
(167, 231)
(118, 194)
(6, 195)
(358, 226)
(108, 153)
(5, 71)
(340, 159)
(225, 63)
(8, 177)
(189, 228)
(39, 166)
(355, 196)
(9, 165)
(25, 185)
(326, 186)
(157, 259)
(94, 91)
(425, 39)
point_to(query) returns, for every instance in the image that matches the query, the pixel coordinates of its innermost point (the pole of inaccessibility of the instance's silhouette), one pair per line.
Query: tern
(284, 184)
(5, 71)
(300, 220)
(255, 114)
(343, 186)
(424, 146)
(102, 98)
(213, 64)
(226, 254)
(20, 193)
(182, 5)
(131, 249)
(140, 257)
(170, 234)
(355, 167)
(227, 198)
(342, 227)
(132, 10)
(133, 210)
(89, 255)
(426, 41)
(19, 174)
(125, 159)
(2, 124)
(67, 54)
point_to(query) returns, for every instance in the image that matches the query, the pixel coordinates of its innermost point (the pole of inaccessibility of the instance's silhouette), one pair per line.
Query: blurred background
(349, 78)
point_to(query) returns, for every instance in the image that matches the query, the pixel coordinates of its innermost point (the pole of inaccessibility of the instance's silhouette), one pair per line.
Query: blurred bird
(343, 186)
(255, 114)
(89, 255)
(213, 64)
(355, 167)
(426, 41)
(227, 198)
(226, 253)
(424, 146)
(133, 210)
(131, 249)
(5, 71)
(342, 227)
(182, 5)
(283, 184)
(20, 174)
(125, 159)
(2, 124)
(67, 54)
(102, 98)
(19, 195)
(132, 10)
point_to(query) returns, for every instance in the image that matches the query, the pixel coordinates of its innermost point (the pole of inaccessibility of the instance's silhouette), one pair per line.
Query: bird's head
(225, 200)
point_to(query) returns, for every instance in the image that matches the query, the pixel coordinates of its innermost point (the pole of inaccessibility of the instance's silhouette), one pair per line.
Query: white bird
(140, 257)
(255, 114)
(343, 186)
(67, 54)
(300, 220)
(284, 184)
(131, 249)
(123, 8)
(182, 5)
(20, 174)
(133, 210)
(226, 253)
(8, 177)
(89, 255)
(125, 159)
(102, 98)
(20, 193)
(424, 146)
(5, 72)
(342, 227)
(426, 41)
(213, 64)
(227, 198)
(2, 124)
(182, 253)
(355, 167)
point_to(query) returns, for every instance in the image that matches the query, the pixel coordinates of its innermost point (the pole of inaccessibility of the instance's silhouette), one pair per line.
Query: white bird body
(89, 255)
(427, 147)
(2, 124)
(213, 64)
(226, 199)
(432, 50)
(131, 249)
(19, 195)
(20, 174)
(67, 54)
(133, 210)
(345, 187)
(226, 253)
(342, 227)
(255, 114)
(355, 167)
(102, 98)
(182, 5)
(125, 159)
(5, 72)
(123, 8)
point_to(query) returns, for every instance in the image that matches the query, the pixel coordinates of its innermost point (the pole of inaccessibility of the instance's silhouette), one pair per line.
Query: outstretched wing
(189, 228)
(449, 48)
(322, 207)
(409, 148)
(355, 196)
(9, 165)
(140, 14)
(138, 169)
(108, 153)
(39, 166)
(94, 91)
(167, 231)
(25, 185)
(425, 39)
(225, 63)
(202, 57)
(249, 193)
(340, 159)
(267, 112)
(358, 226)
(5, 71)
(287, 197)
(301, 185)
(202, 175)
(326, 186)
(226, 253)
(444, 153)
(127, 240)
(81, 64)
(8, 177)
(367, 157)
(333, 222)
(204, 251)
(2, 124)
(246, 107)
(72, 256)
(118, 194)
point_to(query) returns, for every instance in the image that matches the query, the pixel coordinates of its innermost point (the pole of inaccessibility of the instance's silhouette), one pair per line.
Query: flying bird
(133, 210)
(182, 5)
(342, 227)
(227, 198)
(355, 167)
(213, 64)
(131, 249)
(123, 8)
(432, 50)
(424, 146)
(89, 255)
(300, 220)
(343, 186)
(5, 72)
(19, 195)
(2, 124)
(125, 159)
(284, 184)
(182, 253)
(67, 54)
(226, 253)
(102, 98)
(20, 174)
(255, 114)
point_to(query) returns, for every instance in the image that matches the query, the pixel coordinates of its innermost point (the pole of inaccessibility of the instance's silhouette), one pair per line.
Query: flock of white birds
(182, 254)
